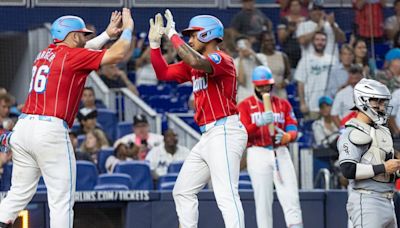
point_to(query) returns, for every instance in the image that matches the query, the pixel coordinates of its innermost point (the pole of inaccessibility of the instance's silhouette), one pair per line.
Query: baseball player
(40, 142)
(366, 158)
(218, 153)
(268, 158)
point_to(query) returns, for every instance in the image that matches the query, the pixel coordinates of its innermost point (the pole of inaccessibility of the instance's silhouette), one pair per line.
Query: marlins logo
(215, 57)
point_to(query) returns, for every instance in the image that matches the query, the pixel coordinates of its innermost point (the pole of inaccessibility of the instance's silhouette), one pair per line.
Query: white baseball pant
(216, 155)
(262, 170)
(41, 146)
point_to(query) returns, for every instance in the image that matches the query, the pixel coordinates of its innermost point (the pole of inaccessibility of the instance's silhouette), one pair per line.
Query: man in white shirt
(319, 22)
(312, 75)
(161, 156)
(141, 136)
(344, 99)
(245, 63)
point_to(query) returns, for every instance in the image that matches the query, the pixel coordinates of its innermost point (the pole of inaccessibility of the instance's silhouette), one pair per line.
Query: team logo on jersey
(215, 57)
(199, 84)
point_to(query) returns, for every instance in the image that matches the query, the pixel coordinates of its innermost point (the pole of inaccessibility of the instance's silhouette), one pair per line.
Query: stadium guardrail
(187, 135)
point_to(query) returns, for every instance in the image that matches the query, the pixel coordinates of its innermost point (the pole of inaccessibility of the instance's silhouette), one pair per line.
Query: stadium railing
(186, 134)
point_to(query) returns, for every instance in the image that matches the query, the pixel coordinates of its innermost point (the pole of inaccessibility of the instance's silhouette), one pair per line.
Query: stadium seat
(99, 104)
(124, 128)
(139, 172)
(86, 175)
(41, 185)
(182, 90)
(167, 182)
(191, 122)
(245, 185)
(102, 156)
(5, 183)
(110, 187)
(75, 127)
(116, 179)
(381, 49)
(108, 120)
(165, 103)
(175, 167)
(244, 176)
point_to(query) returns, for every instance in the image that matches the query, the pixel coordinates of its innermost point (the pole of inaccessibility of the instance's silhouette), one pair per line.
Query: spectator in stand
(145, 74)
(361, 57)
(392, 24)
(325, 130)
(312, 76)
(344, 100)
(278, 62)
(247, 60)
(88, 99)
(229, 44)
(88, 120)
(391, 75)
(319, 21)
(95, 141)
(369, 19)
(339, 74)
(78, 154)
(5, 103)
(287, 30)
(121, 153)
(250, 21)
(286, 5)
(161, 156)
(113, 77)
(245, 63)
(141, 137)
(396, 40)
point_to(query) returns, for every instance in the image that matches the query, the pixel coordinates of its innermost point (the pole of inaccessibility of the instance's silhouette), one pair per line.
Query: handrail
(186, 133)
(326, 175)
(101, 90)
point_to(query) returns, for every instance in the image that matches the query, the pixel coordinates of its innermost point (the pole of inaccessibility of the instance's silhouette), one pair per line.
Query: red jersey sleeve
(245, 117)
(222, 64)
(85, 59)
(179, 72)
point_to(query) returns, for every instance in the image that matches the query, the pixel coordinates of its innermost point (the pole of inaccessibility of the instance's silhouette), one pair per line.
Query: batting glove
(170, 27)
(156, 31)
(282, 137)
(265, 119)
(5, 141)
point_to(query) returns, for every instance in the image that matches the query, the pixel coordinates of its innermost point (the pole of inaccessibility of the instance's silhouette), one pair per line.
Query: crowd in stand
(306, 48)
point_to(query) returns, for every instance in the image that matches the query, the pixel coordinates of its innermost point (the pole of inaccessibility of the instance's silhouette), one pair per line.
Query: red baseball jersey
(58, 78)
(251, 108)
(214, 94)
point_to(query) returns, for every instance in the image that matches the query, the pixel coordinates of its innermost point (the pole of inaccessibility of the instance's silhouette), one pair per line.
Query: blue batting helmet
(66, 24)
(262, 75)
(209, 28)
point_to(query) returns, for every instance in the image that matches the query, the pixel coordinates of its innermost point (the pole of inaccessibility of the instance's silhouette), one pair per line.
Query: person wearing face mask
(268, 158)
(366, 158)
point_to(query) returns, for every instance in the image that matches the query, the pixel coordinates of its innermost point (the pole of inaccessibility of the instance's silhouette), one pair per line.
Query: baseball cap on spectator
(393, 54)
(87, 113)
(325, 100)
(139, 119)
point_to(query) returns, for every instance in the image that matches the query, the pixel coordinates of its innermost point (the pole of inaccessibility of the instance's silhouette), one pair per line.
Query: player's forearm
(359, 171)
(160, 65)
(340, 36)
(98, 42)
(117, 52)
(190, 56)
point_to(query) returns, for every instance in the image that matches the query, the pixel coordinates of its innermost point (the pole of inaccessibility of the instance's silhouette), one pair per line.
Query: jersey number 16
(39, 78)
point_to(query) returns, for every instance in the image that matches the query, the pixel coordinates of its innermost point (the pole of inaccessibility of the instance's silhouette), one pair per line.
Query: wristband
(177, 41)
(127, 34)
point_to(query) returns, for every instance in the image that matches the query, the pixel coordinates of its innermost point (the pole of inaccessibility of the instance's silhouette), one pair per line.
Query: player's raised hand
(170, 27)
(156, 31)
(5, 141)
(114, 28)
(127, 21)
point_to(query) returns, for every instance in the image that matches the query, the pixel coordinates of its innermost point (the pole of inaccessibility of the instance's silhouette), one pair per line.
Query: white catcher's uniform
(370, 203)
